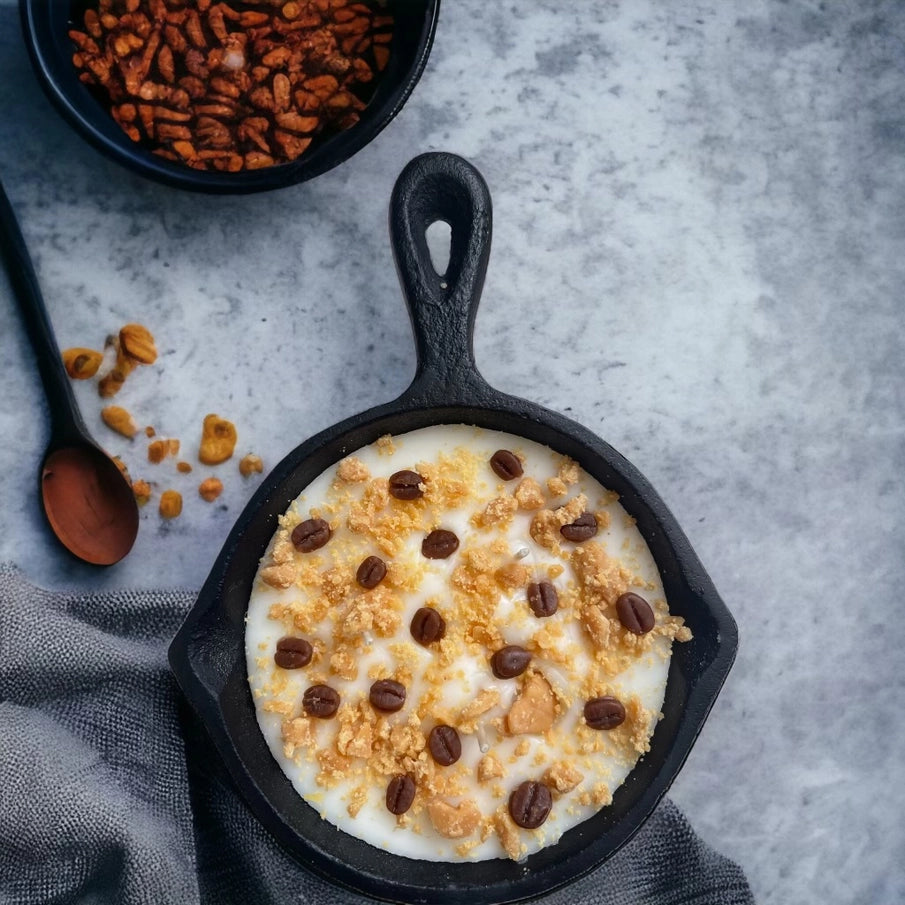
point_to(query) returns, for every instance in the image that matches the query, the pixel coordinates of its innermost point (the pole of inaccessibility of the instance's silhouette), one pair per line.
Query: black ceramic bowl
(207, 655)
(46, 24)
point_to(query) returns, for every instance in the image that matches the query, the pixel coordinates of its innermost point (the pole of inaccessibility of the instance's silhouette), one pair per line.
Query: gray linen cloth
(111, 792)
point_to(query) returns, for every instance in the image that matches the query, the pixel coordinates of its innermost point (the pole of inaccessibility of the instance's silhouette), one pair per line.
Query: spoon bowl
(89, 504)
(87, 500)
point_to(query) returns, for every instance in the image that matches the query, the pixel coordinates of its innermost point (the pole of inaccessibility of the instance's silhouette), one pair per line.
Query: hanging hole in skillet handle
(442, 187)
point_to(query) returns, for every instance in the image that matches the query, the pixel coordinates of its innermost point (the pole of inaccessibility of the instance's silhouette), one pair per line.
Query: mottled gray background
(699, 220)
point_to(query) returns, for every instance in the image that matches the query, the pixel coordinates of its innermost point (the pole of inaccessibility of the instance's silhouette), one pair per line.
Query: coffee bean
(530, 804)
(445, 745)
(506, 465)
(604, 713)
(320, 701)
(310, 535)
(439, 544)
(427, 626)
(406, 485)
(387, 695)
(371, 572)
(543, 599)
(635, 613)
(400, 794)
(582, 529)
(292, 653)
(510, 661)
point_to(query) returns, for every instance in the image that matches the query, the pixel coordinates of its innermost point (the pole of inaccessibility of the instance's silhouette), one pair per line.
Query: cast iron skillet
(207, 655)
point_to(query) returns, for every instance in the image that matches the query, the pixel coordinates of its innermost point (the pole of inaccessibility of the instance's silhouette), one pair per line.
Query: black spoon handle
(442, 187)
(66, 423)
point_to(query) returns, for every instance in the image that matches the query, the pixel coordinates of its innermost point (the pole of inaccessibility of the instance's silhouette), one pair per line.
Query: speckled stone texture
(697, 254)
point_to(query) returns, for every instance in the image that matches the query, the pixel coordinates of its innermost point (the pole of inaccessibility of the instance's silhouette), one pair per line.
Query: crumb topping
(528, 726)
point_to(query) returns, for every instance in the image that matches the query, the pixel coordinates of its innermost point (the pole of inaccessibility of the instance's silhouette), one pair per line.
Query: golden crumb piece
(250, 464)
(599, 795)
(138, 343)
(357, 801)
(210, 488)
(278, 576)
(557, 487)
(454, 821)
(512, 576)
(639, 721)
(183, 467)
(407, 741)
(489, 768)
(81, 364)
(485, 700)
(529, 495)
(354, 738)
(150, 432)
(463, 848)
(599, 627)
(159, 449)
(334, 767)
(344, 664)
(385, 445)
(569, 472)
(352, 471)
(336, 583)
(378, 611)
(170, 504)
(533, 709)
(141, 491)
(601, 577)
(508, 834)
(498, 512)
(297, 733)
(218, 440)
(562, 777)
(119, 419)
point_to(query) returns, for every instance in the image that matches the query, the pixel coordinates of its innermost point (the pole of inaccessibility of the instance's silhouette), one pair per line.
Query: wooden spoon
(86, 498)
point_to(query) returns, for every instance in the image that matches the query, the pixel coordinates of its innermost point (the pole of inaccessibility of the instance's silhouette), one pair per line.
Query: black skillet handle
(442, 187)
(67, 423)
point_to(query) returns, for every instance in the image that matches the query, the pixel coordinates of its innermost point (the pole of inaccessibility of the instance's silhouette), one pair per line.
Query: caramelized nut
(454, 821)
(533, 709)
(250, 464)
(118, 419)
(159, 449)
(170, 504)
(136, 341)
(218, 440)
(81, 363)
(210, 488)
(141, 490)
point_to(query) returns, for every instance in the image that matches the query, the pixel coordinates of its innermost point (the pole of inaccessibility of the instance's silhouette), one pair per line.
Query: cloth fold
(112, 792)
